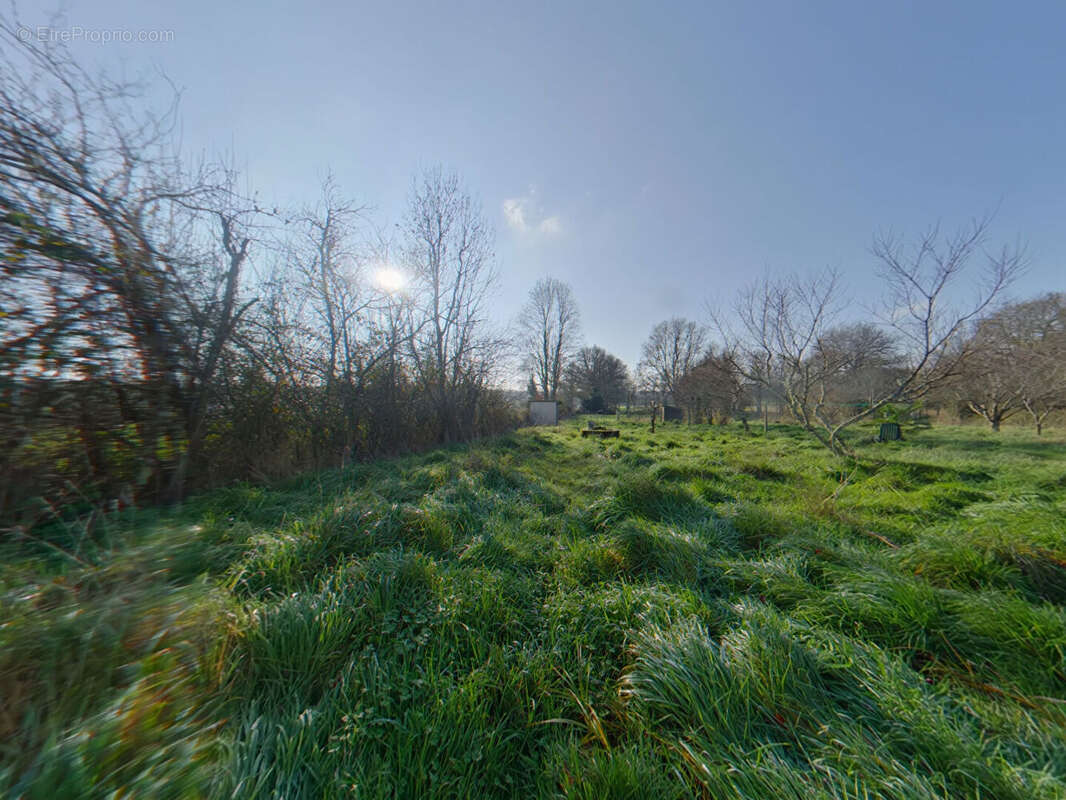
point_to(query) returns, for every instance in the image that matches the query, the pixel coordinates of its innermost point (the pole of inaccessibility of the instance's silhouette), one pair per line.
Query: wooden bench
(603, 433)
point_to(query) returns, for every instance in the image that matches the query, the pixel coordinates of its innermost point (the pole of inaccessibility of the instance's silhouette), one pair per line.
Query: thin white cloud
(550, 225)
(525, 216)
(514, 209)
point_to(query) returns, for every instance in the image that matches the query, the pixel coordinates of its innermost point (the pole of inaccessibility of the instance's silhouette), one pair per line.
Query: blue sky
(655, 156)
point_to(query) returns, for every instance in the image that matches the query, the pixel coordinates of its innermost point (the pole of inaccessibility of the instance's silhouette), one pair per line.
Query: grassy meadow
(698, 612)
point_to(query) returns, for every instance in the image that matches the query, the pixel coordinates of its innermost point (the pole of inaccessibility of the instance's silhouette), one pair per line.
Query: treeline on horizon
(1009, 362)
(162, 331)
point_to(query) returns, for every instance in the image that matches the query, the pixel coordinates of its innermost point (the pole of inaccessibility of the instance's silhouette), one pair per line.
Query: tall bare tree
(213, 305)
(672, 349)
(328, 267)
(549, 331)
(333, 316)
(449, 251)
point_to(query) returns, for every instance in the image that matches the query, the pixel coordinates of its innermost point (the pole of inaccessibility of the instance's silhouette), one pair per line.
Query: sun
(390, 279)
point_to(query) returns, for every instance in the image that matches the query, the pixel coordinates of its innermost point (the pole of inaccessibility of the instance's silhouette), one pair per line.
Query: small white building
(543, 412)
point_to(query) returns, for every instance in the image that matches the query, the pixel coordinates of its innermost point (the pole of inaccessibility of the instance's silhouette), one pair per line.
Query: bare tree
(866, 359)
(785, 327)
(341, 326)
(329, 277)
(1016, 362)
(1042, 324)
(917, 308)
(713, 388)
(213, 307)
(549, 330)
(672, 349)
(122, 266)
(449, 251)
(782, 323)
(989, 381)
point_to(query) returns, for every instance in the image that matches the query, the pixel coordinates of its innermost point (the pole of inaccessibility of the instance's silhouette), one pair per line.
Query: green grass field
(699, 612)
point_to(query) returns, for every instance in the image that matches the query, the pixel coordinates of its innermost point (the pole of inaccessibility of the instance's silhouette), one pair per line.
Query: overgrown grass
(699, 612)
